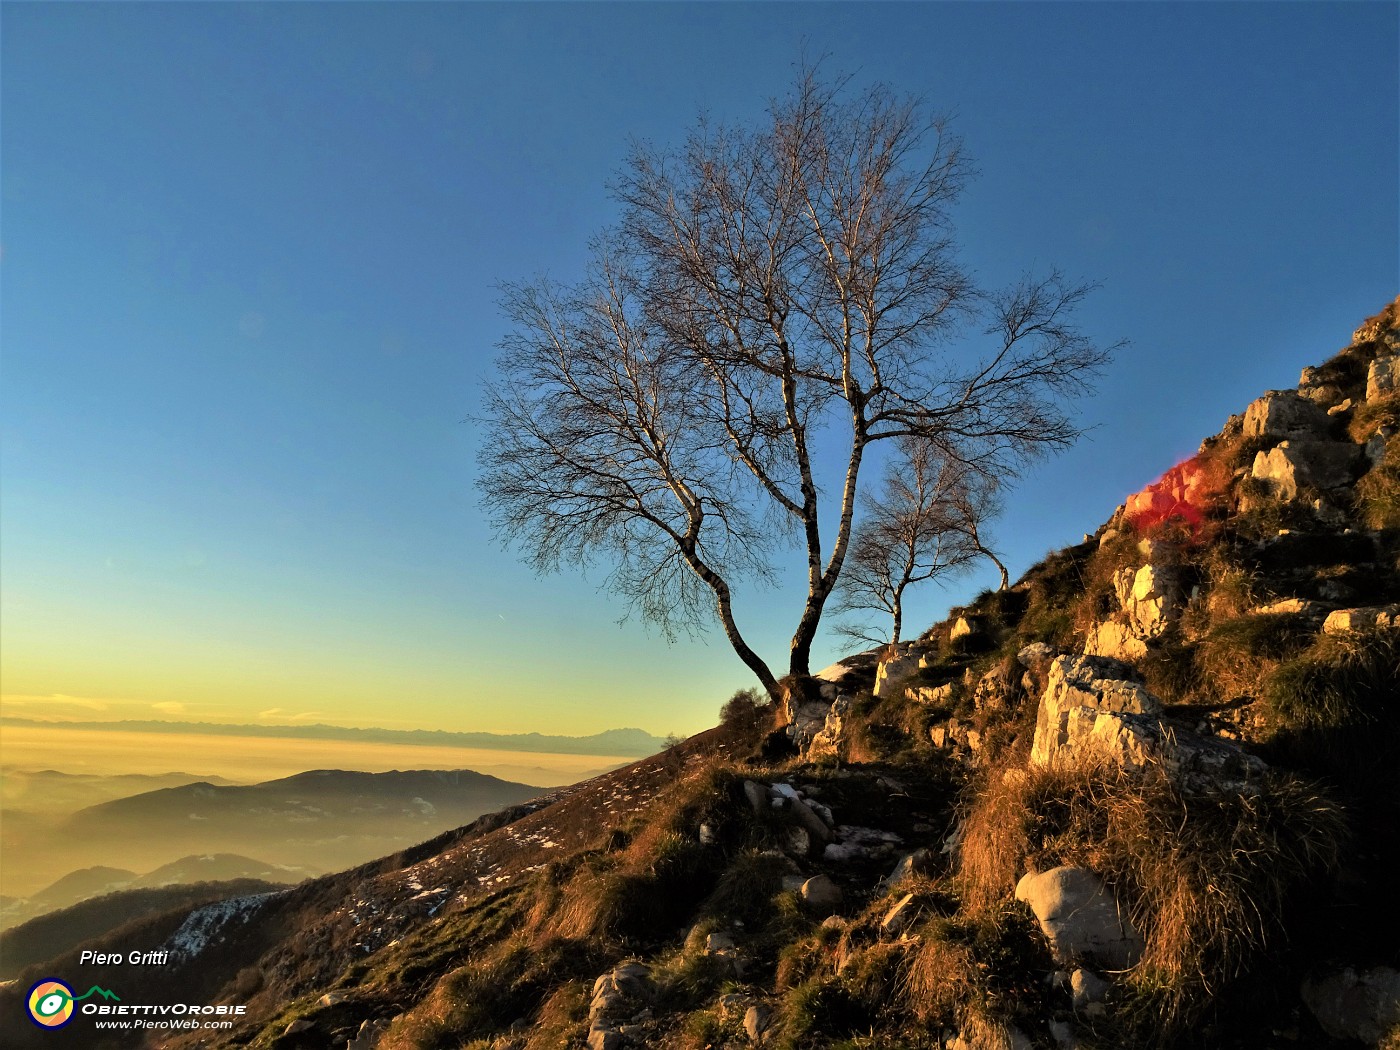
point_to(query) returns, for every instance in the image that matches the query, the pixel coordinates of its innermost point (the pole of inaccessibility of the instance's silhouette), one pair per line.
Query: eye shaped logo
(51, 1004)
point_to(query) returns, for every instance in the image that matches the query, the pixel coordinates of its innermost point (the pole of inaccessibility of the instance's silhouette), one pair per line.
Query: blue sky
(248, 290)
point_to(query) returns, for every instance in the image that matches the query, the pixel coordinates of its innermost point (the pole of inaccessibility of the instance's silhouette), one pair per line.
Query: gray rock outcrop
(1080, 917)
(1321, 465)
(1284, 414)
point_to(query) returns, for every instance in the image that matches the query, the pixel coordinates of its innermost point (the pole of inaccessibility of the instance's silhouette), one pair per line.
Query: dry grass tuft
(1207, 879)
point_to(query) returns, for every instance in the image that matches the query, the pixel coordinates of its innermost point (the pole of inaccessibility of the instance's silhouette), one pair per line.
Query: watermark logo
(51, 1002)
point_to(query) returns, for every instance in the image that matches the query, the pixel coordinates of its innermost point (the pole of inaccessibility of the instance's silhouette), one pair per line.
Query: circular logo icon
(51, 1004)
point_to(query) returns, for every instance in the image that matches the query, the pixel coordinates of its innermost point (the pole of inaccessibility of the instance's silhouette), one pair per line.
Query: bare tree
(767, 287)
(924, 524)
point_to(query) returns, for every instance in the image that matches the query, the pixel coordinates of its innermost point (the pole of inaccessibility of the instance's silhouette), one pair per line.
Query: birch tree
(926, 522)
(771, 293)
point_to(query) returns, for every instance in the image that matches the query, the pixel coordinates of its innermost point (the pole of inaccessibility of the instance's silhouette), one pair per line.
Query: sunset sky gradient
(250, 254)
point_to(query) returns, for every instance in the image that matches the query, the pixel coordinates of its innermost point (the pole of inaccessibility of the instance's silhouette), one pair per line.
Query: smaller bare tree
(926, 523)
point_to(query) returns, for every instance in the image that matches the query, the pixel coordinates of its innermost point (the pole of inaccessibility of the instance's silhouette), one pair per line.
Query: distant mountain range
(618, 742)
(314, 822)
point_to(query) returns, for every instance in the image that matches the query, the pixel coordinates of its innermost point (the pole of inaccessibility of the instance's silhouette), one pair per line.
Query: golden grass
(1207, 879)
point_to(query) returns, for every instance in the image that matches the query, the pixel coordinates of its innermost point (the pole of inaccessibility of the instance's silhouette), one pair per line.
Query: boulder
(1080, 917)
(962, 627)
(1374, 617)
(1284, 414)
(757, 1020)
(821, 894)
(1382, 377)
(719, 941)
(605, 1037)
(806, 817)
(1321, 465)
(1088, 990)
(1352, 1004)
(920, 862)
(1151, 600)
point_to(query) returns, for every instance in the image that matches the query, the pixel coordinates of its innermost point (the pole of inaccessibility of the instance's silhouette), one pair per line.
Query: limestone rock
(900, 915)
(1080, 917)
(1089, 991)
(367, 1038)
(933, 695)
(920, 862)
(1284, 414)
(821, 894)
(1318, 464)
(1091, 711)
(826, 742)
(1343, 621)
(1116, 641)
(1088, 684)
(1382, 377)
(962, 627)
(894, 667)
(804, 710)
(1361, 1005)
(719, 941)
(1153, 601)
(604, 1037)
(757, 1020)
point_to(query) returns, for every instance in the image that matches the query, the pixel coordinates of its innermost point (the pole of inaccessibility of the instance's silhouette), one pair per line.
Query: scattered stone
(962, 628)
(1089, 991)
(797, 841)
(1353, 1004)
(1342, 406)
(900, 916)
(1302, 606)
(1063, 1034)
(718, 941)
(757, 795)
(939, 736)
(301, 1024)
(368, 1036)
(1080, 917)
(332, 999)
(1374, 617)
(808, 819)
(605, 1037)
(757, 1020)
(707, 835)
(920, 862)
(821, 894)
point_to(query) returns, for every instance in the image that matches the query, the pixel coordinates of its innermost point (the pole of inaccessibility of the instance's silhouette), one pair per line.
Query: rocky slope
(1145, 797)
